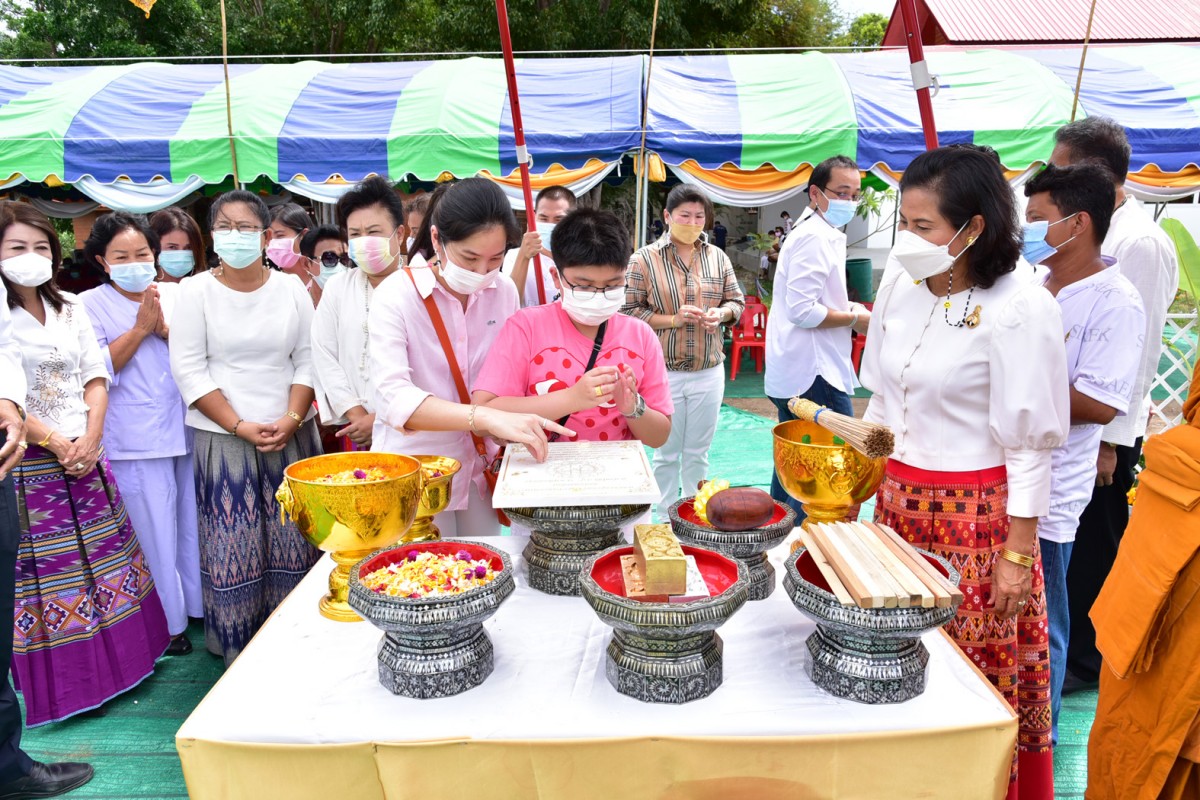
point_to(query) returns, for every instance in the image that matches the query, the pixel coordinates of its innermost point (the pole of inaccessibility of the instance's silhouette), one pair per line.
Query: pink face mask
(280, 251)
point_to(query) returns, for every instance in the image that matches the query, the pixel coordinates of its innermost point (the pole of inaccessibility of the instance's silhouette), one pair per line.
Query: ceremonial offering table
(301, 714)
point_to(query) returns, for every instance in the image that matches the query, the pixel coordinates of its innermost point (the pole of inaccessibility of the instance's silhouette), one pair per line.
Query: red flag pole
(920, 71)
(514, 101)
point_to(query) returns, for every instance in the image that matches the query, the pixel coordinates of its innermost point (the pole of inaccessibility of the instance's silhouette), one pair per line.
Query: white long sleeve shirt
(341, 358)
(810, 280)
(252, 346)
(59, 359)
(965, 399)
(12, 373)
(1146, 257)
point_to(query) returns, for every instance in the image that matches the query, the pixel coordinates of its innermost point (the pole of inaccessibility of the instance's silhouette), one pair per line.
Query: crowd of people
(149, 420)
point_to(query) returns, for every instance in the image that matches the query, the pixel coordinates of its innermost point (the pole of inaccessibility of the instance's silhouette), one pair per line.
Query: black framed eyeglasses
(587, 292)
(330, 259)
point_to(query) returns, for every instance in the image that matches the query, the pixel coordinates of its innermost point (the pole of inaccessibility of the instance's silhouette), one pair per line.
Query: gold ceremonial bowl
(435, 498)
(826, 478)
(350, 521)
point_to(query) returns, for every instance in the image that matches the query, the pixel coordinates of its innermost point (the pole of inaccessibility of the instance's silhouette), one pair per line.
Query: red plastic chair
(859, 344)
(747, 334)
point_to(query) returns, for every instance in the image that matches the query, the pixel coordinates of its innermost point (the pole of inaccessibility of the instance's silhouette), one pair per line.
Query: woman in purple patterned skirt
(88, 623)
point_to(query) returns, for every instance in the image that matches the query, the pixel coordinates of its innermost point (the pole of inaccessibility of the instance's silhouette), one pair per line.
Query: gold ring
(23, 445)
(79, 465)
(599, 391)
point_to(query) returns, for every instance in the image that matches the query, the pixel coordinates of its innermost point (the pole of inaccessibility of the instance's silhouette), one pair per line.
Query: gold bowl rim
(288, 469)
(780, 438)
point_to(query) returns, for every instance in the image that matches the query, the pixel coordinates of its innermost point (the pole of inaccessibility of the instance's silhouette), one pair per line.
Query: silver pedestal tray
(750, 547)
(664, 652)
(432, 646)
(870, 655)
(563, 538)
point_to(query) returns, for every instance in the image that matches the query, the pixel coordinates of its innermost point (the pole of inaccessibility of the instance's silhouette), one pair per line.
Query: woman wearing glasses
(372, 215)
(241, 357)
(578, 358)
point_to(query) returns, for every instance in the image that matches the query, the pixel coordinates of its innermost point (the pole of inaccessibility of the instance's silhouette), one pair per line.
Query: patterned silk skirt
(249, 559)
(88, 624)
(962, 517)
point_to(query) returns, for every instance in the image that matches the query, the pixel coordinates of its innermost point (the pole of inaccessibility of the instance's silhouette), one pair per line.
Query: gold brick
(663, 564)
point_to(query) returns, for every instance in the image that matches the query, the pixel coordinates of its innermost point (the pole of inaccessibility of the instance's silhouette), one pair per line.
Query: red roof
(1049, 21)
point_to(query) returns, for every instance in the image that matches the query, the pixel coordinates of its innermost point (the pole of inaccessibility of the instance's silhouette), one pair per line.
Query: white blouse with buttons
(960, 398)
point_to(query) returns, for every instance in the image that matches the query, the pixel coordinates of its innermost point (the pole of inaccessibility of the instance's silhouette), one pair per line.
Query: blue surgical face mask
(1034, 246)
(545, 230)
(134, 276)
(327, 273)
(237, 249)
(840, 212)
(177, 263)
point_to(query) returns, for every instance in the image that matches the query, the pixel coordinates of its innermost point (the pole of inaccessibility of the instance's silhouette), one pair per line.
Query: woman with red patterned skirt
(967, 365)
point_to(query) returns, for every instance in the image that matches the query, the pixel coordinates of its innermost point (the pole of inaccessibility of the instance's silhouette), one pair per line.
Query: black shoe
(1073, 684)
(180, 645)
(47, 780)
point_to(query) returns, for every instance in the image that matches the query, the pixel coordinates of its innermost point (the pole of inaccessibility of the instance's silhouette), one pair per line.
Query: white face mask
(546, 230)
(28, 269)
(923, 259)
(464, 281)
(593, 310)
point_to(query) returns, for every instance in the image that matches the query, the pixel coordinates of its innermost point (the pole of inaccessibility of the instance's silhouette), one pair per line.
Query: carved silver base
(424, 668)
(563, 539)
(867, 670)
(664, 671)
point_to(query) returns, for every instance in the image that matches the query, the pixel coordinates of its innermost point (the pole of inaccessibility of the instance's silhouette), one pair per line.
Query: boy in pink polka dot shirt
(539, 362)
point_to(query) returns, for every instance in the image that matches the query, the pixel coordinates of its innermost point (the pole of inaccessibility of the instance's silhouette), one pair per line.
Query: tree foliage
(865, 32)
(45, 29)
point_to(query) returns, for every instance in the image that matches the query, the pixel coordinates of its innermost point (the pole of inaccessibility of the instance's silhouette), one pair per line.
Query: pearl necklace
(363, 357)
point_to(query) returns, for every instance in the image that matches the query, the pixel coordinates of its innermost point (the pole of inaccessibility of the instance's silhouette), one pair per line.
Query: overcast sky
(852, 8)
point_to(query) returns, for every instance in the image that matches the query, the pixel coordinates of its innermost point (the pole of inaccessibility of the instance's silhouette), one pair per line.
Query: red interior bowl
(398, 554)
(687, 513)
(808, 569)
(719, 572)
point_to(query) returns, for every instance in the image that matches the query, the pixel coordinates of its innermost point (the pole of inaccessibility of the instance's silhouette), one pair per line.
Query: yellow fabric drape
(1153, 176)
(763, 179)
(658, 170)
(554, 176)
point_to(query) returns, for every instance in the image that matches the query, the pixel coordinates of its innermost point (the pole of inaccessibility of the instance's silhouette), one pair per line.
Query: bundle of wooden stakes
(871, 566)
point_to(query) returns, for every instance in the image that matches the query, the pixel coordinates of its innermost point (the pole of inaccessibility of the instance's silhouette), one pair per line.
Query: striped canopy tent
(141, 136)
(749, 127)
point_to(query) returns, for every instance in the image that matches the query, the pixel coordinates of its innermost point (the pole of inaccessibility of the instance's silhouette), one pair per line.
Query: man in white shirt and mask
(1146, 257)
(1069, 213)
(552, 204)
(20, 776)
(808, 333)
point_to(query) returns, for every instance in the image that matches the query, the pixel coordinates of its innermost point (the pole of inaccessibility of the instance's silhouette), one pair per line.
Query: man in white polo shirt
(808, 330)
(1069, 213)
(1146, 256)
(552, 204)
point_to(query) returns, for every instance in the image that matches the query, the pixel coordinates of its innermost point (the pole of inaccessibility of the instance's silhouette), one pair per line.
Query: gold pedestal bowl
(439, 474)
(350, 520)
(828, 479)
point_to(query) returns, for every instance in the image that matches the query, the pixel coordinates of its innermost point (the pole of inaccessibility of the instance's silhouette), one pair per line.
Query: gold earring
(970, 241)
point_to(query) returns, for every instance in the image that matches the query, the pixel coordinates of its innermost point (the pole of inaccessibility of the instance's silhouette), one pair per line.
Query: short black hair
(823, 173)
(372, 191)
(587, 237)
(969, 183)
(556, 193)
(1097, 140)
(471, 206)
(106, 228)
(422, 240)
(292, 217)
(308, 243)
(784, 214)
(1086, 188)
(686, 193)
(250, 199)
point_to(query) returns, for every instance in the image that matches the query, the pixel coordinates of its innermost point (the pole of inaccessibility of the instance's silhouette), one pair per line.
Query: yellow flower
(1131, 495)
(704, 494)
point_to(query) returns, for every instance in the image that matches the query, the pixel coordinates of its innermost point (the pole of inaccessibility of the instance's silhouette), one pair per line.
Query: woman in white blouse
(966, 362)
(88, 624)
(372, 216)
(240, 354)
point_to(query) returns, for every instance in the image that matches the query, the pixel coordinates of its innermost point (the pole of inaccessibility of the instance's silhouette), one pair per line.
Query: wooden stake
(893, 594)
(849, 575)
(827, 571)
(946, 594)
(918, 593)
(228, 101)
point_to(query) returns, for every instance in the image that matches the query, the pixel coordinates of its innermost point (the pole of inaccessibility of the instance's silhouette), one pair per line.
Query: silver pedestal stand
(564, 538)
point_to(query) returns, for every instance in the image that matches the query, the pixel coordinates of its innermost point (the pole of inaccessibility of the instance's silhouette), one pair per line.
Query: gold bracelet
(233, 430)
(299, 419)
(1017, 558)
(471, 419)
(45, 441)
